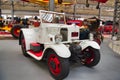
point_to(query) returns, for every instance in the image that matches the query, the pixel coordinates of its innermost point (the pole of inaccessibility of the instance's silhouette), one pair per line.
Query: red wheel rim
(54, 64)
(89, 57)
(16, 31)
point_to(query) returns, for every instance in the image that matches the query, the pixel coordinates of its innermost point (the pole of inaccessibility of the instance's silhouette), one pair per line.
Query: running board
(36, 55)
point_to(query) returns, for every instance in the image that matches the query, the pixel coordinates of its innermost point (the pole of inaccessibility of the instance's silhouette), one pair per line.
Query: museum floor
(14, 66)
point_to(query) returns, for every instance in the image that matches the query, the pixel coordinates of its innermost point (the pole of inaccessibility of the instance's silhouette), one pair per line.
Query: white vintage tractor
(58, 44)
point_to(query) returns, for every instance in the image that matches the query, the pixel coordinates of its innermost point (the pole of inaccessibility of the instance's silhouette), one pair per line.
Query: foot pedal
(35, 47)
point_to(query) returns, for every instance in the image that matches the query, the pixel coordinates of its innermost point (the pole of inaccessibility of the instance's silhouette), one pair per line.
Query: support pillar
(0, 7)
(74, 13)
(12, 10)
(51, 5)
(99, 13)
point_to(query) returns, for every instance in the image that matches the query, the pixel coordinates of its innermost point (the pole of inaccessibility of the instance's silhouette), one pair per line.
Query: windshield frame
(47, 16)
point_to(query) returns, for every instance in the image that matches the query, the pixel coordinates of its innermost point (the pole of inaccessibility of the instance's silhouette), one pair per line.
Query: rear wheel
(23, 45)
(58, 67)
(15, 31)
(91, 57)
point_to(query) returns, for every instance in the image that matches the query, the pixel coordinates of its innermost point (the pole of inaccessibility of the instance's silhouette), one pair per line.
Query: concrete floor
(14, 66)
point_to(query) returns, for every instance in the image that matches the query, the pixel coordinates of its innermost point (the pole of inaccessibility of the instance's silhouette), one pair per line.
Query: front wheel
(58, 67)
(91, 57)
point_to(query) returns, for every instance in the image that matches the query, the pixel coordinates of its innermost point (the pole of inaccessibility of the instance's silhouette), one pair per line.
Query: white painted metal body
(43, 35)
(46, 32)
(60, 49)
(87, 43)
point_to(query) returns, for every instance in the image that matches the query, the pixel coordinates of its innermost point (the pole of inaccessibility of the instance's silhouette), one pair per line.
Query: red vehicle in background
(108, 27)
(77, 22)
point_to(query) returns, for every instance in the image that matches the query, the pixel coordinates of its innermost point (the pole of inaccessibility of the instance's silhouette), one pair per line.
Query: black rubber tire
(63, 66)
(95, 59)
(14, 33)
(23, 46)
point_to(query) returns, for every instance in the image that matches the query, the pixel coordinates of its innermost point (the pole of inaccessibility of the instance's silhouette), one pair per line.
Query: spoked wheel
(91, 57)
(23, 46)
(15, 31)
(58, 67)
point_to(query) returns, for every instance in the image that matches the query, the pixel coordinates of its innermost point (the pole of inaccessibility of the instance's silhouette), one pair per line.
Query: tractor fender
(60, 49)
(87, 43)
(30, 35)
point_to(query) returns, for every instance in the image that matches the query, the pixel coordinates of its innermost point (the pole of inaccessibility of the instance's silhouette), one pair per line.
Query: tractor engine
(75, 50)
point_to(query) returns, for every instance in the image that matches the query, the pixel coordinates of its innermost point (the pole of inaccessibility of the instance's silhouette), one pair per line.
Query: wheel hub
(88, 56)
(53, 65)
(17, 31)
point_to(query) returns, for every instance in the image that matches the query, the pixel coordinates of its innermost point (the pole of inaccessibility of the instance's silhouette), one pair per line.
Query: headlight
(58, 38)
(91, 37)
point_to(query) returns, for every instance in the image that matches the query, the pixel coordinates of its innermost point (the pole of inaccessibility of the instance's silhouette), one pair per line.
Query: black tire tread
(65, 65)
(96, 59)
